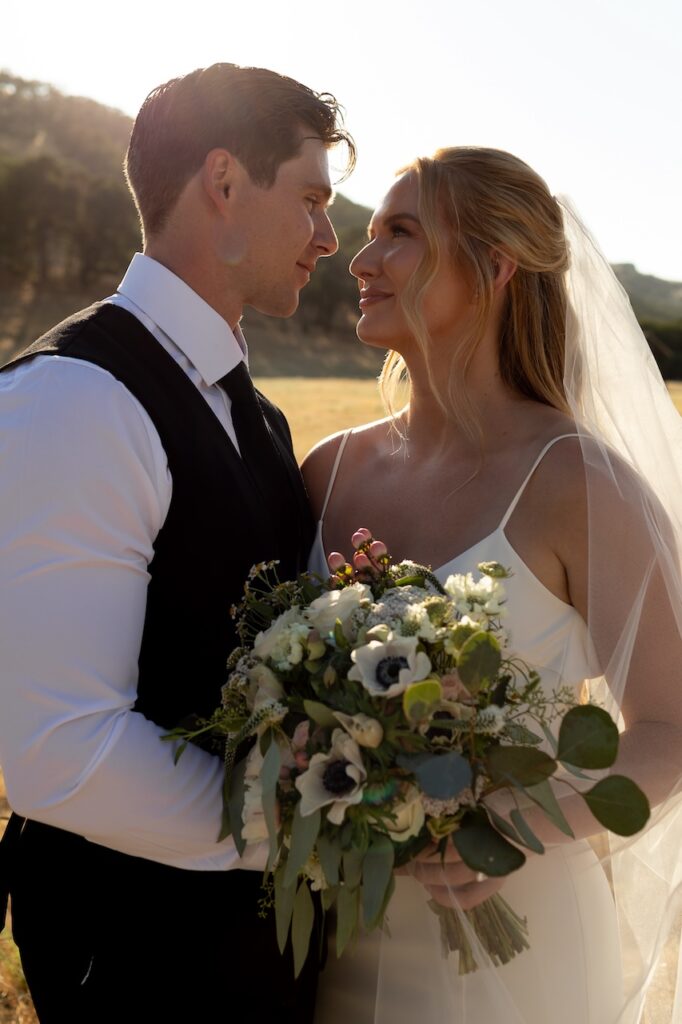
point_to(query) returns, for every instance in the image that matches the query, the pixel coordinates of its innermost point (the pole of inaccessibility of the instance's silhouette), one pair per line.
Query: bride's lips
(370, 297)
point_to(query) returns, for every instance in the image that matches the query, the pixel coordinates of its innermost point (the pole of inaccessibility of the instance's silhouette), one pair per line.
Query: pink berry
(336, 561)
(360, 537)
(378, 549)
(361, 561)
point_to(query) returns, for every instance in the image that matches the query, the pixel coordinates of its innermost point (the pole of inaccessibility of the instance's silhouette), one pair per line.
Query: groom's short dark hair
(254, 113)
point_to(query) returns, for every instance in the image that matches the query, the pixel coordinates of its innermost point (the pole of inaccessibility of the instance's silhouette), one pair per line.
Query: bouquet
(383, 710)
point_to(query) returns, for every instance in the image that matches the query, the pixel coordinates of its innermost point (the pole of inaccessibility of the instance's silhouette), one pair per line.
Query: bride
(538, 434)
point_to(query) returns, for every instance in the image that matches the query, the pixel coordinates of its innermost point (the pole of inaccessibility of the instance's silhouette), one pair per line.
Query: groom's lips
(370, 296)
(310, 267)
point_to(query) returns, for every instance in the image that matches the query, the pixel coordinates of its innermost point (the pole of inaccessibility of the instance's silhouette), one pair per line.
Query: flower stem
(499, 929)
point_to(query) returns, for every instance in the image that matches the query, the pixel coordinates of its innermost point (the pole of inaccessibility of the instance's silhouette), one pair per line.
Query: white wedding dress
(572, 972)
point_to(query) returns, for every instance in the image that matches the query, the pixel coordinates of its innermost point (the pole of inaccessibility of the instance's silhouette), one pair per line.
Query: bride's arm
(623, 576)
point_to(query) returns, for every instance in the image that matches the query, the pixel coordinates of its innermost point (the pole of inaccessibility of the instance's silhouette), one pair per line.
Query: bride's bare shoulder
(318, 465)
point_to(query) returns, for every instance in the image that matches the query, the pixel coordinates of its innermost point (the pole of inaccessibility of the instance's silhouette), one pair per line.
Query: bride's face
(397, 244)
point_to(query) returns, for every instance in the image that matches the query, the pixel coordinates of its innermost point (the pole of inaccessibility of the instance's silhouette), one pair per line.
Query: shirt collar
(194, 326)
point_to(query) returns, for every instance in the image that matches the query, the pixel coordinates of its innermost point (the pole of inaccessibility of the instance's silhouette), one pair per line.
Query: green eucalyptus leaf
(440, 776)
(419, 698)
(225, 822)
(482, 848)
(619, 805)
(518, 733)
(321, 714)
(503, 826)
(303, 835)
(525, 831)
(479, 660)
(301, 926)
(588, 737)
(346, 917)
(519, 766)
(352, 866)
(550, 737)
(377, 871)
(329, 897)
(269, 779)
(235, 803)
(284, 906)
(543, 795)
(329, 852)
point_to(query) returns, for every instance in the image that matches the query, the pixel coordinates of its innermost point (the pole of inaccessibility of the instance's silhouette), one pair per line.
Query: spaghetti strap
(517, 496)
(335, 469)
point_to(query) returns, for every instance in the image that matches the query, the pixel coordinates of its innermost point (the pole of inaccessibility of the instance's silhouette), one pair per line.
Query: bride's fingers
(466, 896)
(437, 874)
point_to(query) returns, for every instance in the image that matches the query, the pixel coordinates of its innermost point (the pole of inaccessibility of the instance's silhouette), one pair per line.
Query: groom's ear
(217, 177)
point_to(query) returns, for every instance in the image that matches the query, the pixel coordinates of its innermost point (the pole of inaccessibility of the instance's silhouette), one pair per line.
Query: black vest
(215, 530)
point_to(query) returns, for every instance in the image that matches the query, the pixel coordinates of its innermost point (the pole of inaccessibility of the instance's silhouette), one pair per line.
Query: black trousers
(108, 938)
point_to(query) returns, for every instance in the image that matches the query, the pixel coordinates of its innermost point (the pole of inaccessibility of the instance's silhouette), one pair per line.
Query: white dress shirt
(84, 490)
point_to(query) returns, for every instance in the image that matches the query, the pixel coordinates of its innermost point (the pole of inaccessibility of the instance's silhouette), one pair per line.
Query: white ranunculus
(312, 869)
(409, 817)
(323, 612)
(385, 670)
(336, 778)
(366, 731)
(470, 597)
(418, 623)
(254, 827)
(264, 686)
(283, 643)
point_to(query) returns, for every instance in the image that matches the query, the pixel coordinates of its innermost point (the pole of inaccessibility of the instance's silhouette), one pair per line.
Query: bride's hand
(449, 879)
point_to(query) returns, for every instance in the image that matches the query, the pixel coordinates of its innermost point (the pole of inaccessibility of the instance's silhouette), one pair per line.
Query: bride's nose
(364, 264)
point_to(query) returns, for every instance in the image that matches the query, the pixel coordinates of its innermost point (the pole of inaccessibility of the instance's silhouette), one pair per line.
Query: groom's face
(285, 230)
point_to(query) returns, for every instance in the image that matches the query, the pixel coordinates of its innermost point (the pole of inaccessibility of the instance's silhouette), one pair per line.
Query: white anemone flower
(323, 612)
(386, 669)
(337, 778)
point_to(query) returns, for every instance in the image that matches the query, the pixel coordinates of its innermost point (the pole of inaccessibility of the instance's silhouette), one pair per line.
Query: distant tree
(38, 207)
(105, 233)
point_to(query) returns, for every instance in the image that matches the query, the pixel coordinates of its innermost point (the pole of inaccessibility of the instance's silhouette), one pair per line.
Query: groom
(142, 476)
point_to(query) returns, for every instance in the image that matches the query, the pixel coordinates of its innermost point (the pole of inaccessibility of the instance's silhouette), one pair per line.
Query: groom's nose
(324, 239)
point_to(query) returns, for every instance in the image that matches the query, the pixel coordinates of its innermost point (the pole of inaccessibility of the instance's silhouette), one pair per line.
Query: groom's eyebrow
(325, 192)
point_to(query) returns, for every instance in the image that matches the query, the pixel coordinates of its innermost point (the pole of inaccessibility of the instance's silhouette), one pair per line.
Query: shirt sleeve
(84, 490)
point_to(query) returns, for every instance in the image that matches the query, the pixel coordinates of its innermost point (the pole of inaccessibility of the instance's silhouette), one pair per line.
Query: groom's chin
(277, 306)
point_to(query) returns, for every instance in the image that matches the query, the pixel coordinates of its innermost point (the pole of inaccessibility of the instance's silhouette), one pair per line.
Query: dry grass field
(315, 408)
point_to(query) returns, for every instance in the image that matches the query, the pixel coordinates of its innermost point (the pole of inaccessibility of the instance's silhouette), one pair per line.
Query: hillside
(68, 227)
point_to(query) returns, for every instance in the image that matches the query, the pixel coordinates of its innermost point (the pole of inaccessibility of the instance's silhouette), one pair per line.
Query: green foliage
(588, 738)
(619, 805)
(482, 848)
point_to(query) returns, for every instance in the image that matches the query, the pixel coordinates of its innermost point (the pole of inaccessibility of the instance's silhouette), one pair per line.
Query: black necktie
(258, 448)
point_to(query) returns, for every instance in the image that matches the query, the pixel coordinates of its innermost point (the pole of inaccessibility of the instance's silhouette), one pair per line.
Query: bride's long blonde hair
(492, 202)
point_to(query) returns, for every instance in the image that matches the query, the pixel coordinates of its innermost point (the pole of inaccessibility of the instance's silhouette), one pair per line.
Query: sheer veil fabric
(631, 440)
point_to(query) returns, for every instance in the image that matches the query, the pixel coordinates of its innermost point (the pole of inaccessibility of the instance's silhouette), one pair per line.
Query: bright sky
(587, 91)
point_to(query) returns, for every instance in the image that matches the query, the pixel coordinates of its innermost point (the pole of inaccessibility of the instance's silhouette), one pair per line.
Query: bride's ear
(504, 269)
(217, 178)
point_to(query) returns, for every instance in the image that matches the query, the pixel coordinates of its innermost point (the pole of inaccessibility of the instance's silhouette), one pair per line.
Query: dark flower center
(336, 780)
(388, 670)
(440, 733)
